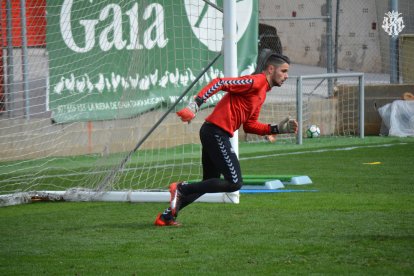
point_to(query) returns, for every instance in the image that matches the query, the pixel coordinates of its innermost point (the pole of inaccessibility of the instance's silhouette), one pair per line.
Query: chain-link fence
(350, 35)
(333, 36)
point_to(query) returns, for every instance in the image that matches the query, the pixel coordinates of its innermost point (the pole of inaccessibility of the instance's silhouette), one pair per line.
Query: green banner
(117, 59)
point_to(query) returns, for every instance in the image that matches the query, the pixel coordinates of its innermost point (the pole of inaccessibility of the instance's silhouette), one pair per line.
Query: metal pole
(230, 38)
(299, 110)
(361, 106)
(338, 4)
(10, 61)
(394, 74)
(273, 18)
(24, 58)
(230, 63)
(2, 79)
(230, 50)
(329, 45)
(331, 75)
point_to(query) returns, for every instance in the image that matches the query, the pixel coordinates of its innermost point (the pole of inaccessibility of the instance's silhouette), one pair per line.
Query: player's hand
(189, 112)
(271, 138)
(288, 126)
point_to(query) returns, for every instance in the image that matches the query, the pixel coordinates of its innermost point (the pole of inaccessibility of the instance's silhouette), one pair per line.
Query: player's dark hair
(268, 57)
(277, 59)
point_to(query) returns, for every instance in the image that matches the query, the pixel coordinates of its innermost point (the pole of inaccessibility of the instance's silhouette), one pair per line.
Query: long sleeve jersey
(241, 104)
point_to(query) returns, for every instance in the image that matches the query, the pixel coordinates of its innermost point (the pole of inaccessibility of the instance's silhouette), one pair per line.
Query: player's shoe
(159, 221)
(175, 199)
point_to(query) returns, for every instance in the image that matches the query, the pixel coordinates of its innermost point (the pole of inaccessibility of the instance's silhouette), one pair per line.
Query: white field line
(318, 151)
(187, 164)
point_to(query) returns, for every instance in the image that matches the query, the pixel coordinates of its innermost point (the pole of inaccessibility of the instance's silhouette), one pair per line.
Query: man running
(241, 105)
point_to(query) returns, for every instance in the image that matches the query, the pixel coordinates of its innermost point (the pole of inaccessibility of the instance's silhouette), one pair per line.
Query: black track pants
(218, 158)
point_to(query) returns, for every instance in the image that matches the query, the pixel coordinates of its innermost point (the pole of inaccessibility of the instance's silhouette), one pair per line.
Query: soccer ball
(313, 131)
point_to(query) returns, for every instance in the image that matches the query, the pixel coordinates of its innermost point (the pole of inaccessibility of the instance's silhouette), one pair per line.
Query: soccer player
(241, 105)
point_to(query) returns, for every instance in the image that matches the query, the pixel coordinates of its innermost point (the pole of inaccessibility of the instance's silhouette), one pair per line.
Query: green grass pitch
(360, 222)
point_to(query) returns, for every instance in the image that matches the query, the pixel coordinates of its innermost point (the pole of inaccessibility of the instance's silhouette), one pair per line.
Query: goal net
(91, 95)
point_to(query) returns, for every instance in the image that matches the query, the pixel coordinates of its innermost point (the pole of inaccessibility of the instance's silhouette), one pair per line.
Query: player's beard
(278, 83)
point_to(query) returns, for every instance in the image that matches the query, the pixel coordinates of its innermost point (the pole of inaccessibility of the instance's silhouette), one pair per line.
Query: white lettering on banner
(104, 106)
(115, 27)
(112, 35)
(155, 27)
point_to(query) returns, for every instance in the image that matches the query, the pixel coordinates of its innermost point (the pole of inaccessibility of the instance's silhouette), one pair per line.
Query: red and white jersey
(241, 104)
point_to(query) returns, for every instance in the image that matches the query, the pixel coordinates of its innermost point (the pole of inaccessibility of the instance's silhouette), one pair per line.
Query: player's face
(280, 74)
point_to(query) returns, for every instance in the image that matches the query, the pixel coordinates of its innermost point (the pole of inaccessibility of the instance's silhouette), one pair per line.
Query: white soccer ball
(313, 131)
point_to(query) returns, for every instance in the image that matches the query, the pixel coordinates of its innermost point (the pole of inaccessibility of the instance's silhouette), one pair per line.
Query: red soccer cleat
(159, 221)
(175, 199)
